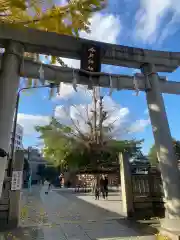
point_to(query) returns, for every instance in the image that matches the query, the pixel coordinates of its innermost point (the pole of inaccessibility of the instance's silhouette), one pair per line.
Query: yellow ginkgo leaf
(53, 60)
(54, 19)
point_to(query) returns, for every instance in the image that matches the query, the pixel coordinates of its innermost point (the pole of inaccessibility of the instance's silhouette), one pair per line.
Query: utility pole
(100, 121)
(94, 115)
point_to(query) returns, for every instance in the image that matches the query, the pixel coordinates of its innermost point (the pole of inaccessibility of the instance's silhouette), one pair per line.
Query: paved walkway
(113, 204)
(66, 216)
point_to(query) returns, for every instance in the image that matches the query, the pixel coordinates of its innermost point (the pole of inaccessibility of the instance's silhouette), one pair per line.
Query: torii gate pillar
(164, 146)
(9, 82)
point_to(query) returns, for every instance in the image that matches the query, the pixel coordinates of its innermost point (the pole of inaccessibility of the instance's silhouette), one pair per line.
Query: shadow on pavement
(136, 228)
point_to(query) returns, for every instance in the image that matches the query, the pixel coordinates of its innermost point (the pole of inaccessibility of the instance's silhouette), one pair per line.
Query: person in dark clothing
(96, 189)
(106, 187)
(96, 192)
(49, 186)
(102, 181)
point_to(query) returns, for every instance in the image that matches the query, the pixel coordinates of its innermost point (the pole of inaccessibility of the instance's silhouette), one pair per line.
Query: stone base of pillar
(172, 225)
(8, 226)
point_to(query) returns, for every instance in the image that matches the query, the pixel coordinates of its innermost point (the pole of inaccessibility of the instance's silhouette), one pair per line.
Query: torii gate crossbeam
(17, 40)
(30, 69)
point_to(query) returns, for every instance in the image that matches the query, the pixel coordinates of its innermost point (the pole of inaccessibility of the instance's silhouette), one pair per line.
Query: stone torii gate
(16, 41)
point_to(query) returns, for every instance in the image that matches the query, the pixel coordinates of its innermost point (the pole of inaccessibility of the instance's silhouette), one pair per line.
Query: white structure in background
(18, 138)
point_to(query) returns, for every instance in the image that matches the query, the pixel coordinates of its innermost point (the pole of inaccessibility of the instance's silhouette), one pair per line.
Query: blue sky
(138, 23)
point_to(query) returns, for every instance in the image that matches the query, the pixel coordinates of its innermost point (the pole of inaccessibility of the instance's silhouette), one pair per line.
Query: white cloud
(104, 28)
(29, 121)
(79, 112)
(139, 125)
(152, 24)
(149, 17)
(170, 28)
(117, 115)
(61, 112)
(67, 92)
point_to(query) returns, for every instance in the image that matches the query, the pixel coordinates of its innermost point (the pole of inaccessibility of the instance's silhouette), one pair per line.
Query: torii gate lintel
(53, 44)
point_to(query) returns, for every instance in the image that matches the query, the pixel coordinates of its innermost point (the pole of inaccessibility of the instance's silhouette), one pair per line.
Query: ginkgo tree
(73, 150)
(45, 15)
(87, 139)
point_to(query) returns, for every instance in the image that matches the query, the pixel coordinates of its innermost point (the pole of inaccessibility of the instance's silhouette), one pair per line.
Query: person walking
(93, 185)
(97, 190)
(106, 187)
(49, 187)
(30, 183)
(102, 181)
(60, 180)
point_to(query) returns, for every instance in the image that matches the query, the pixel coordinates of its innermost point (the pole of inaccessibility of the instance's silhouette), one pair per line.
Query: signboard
(91, 58)
(16, 183)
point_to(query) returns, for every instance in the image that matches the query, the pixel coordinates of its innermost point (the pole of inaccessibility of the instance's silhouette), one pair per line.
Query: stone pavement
(66, 216)
(114, 203)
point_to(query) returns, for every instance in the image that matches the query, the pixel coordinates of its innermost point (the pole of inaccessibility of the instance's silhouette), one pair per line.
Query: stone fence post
(126, 185)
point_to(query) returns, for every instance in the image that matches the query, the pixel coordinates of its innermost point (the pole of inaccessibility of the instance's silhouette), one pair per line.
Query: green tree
(69, 150)
(60, 144)
(133, 147)
(153, 154)
(44, 15)
(50, 173)
(94, 143)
